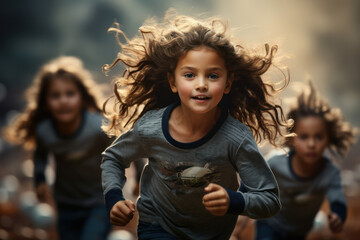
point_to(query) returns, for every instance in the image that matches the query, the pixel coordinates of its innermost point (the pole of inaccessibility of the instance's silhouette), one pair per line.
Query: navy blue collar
(210, 134)
(290, 158)
(77, 132)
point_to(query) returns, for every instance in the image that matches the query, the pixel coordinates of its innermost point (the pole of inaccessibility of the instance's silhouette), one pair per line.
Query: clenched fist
(216, 200)
(122, 212)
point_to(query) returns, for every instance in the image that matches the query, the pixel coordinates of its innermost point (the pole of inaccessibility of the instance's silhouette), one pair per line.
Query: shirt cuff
(340, 209)
(237, 202)
(39, 178)
(112, 197)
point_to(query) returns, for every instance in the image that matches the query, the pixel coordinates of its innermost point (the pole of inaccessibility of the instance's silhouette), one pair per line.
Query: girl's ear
(229, 84)
(171, 81)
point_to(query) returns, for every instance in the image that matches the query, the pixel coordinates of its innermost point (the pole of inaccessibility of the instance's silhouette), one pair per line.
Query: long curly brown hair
(154, 54)
(23, 129)
(310, 103)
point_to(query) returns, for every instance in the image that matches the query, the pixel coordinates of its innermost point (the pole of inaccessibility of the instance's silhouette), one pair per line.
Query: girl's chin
(312, 160)
(64, 119)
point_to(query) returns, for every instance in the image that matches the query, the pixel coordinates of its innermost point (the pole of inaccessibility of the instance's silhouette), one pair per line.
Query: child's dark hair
(151, 57)
(341, 134)
(22, 131)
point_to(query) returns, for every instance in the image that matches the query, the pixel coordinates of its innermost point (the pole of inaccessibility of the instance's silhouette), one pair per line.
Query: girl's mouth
(64, 112)
(311, 154)
(201, 98)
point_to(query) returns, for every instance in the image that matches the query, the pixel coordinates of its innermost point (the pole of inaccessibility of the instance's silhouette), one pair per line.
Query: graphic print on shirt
(187, 177)
(79, 151)
(194, 176)
(299, 196)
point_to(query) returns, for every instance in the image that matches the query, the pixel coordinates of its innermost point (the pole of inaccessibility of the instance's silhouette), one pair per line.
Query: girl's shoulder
(94, 118)
(235, 125)
(276, 158)
(277, 155)
(152, 115)
(235, 130)
(150, 121)
(45, 131)
(44, 127)
(330, 166)
(279, 162)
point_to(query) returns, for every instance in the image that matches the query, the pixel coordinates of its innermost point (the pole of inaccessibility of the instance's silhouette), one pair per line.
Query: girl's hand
(335, 222)
(44, 194)
(122, 212)
(216, 200)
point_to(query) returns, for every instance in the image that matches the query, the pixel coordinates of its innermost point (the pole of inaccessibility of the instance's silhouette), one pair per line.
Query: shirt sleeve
(40, 163)
(237, 202)
(259, 188)
(115, 159)
(336, 196)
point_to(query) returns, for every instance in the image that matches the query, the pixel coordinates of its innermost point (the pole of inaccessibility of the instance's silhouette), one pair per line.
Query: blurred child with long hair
(305, 175)
(63, 119)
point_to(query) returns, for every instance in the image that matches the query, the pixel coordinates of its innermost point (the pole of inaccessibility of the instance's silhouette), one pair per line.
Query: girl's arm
(116, 158)
(260, 195)
(40, 163)
(337, 200)
(43, 191)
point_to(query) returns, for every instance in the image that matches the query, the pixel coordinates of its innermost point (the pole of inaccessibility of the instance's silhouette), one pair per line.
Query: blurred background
(320, 39)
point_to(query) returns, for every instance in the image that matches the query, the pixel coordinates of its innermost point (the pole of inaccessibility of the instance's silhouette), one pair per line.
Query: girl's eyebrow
(187, 67)
(193, 68)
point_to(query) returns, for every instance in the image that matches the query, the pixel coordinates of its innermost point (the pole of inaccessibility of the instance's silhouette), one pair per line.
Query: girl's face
(64, 100)
(311, 140)
(200, 79)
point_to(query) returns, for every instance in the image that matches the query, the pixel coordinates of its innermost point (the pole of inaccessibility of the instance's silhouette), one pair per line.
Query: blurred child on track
(305, 175)
(63, 119)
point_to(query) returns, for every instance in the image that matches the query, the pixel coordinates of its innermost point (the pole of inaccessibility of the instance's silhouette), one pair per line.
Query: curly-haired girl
(193, 98)
(63, 118)
(305, 176)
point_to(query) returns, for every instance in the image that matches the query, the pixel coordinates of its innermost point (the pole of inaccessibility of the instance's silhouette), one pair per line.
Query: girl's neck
(306, 170)
(186, 127)
(69, 128)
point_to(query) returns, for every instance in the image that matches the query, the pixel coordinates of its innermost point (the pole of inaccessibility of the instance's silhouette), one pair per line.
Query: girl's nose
(201, 84)
(311, 142)
(63, 99)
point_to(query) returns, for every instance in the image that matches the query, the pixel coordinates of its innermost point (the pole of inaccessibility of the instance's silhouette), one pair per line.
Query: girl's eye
(54, 95)
(189, 75)
(70, 93)
(302, 137)
(213, 76)
(319, 137)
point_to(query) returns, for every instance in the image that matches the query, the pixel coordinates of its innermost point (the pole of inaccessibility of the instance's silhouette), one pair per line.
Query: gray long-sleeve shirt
(301, 198)
(77, 159)
(173, 181)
